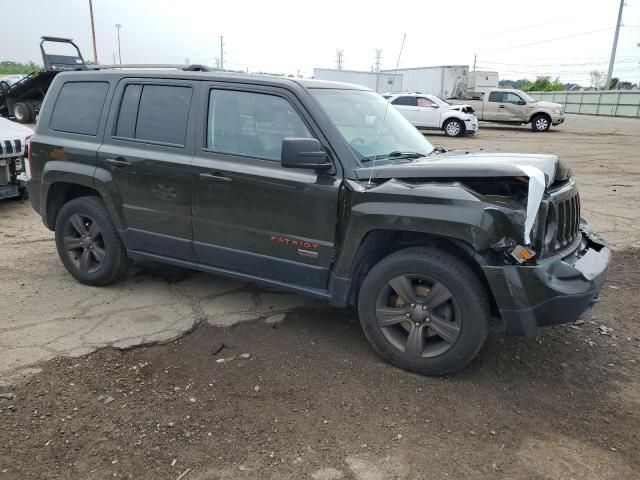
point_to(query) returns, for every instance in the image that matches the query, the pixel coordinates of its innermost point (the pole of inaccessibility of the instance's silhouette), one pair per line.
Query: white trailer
(378, 81)
(482, 82)
(443, 81)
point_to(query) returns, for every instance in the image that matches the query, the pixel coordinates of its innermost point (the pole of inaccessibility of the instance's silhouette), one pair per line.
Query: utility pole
(118, 27)
(221, 52)
(615, 45)
(475, 57)
(93, 33)
(339, 55)
(378, 59)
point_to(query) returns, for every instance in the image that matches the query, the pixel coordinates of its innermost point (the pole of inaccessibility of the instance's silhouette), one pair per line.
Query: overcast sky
(286, 36)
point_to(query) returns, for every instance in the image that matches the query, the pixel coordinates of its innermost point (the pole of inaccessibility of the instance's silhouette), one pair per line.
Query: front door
(513, 108)
(249, 213)
(427, 113)
(147, 154)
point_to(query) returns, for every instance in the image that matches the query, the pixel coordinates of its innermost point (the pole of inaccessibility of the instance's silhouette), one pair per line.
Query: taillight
(27, 163)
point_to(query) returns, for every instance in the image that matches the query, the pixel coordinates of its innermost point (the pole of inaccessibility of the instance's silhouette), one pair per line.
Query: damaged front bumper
(554, 291)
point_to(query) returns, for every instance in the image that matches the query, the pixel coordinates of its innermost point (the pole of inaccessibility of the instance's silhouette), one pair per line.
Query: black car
(318, 188)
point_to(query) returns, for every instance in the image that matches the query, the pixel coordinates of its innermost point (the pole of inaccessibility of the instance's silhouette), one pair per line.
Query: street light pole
(118, 27)
(93, 33)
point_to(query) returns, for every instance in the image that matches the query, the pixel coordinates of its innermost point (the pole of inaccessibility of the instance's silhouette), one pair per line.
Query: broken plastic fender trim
(534, 197)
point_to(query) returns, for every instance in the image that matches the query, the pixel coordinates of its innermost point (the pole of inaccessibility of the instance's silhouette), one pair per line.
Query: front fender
(448, 210)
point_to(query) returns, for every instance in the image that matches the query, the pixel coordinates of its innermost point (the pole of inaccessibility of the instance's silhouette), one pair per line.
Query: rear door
(249, 213)
(146, 155)
(492, 106)
(407, 106)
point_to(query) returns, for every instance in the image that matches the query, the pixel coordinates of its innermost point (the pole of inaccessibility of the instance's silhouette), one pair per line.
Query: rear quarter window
(78, 107)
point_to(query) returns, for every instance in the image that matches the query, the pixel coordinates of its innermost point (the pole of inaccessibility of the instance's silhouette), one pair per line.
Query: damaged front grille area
(559, 221)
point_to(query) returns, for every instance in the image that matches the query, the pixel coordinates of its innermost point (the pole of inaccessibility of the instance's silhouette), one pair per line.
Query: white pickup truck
(14, 171)
(504, 105)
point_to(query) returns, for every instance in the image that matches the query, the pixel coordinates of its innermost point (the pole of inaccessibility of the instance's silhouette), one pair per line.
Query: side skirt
(267, 282)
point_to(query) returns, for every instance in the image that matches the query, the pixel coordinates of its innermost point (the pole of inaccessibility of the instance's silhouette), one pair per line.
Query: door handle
(215, 177)
(117, 162)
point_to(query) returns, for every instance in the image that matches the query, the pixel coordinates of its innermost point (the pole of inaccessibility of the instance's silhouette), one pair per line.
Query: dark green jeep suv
(318, 188)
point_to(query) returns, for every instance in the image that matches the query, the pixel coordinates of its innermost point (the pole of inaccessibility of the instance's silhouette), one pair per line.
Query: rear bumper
(9, 191)
(553, 292)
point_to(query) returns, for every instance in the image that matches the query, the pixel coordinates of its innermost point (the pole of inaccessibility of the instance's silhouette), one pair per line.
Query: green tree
(545, 84)
(8, 68)
(613, 83)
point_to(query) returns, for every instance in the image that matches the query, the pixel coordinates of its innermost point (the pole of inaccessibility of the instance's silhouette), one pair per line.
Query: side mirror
(304, 153)
(521, 102)
(435, 105)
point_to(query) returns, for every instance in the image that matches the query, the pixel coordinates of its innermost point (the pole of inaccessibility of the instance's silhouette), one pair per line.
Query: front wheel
(453, 128)
(424, 310)
(88, 242)
(540, 123)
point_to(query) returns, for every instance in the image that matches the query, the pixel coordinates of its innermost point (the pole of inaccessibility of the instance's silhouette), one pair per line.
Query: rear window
(154, 113)
(78, 107)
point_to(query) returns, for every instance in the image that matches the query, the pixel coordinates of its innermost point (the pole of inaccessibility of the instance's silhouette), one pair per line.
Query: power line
(550, 40)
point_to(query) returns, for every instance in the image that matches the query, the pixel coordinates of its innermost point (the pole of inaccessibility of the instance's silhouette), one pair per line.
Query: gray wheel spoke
(415, 341)
(402, 286)
(72, 243)
(438, 294)
(98, 253)
(78, 223)
(388, 316)
(85, 261)
(94, 230)
(445, 329)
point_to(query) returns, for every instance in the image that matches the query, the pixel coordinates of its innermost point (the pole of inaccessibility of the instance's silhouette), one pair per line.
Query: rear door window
(406, 101)
(154, 113)
(496, 97)
(78, 107)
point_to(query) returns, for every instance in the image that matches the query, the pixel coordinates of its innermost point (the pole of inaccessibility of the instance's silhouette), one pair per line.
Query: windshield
(526, 97)
(373, 128)
(440, 102)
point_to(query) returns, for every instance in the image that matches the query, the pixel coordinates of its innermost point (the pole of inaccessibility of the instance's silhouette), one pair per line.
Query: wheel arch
(540, 112)
(380, 243)
(64, 181)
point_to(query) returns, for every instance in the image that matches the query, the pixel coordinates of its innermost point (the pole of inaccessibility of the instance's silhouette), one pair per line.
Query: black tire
(24, 193)
(32, 111)
(22, 112)
(98, 259)
(440, 272)
(540, 122)
(453, 128)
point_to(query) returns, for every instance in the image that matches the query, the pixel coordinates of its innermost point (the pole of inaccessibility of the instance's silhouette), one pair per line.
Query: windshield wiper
(395, 155)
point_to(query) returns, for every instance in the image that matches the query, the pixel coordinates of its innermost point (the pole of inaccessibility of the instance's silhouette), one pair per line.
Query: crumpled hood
(541, 171)
(11, 130)
(465, 164)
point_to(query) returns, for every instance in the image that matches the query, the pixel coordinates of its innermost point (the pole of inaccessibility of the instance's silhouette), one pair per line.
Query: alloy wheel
(418, 315)
(84, 243)
(542, 124)
(453, 129)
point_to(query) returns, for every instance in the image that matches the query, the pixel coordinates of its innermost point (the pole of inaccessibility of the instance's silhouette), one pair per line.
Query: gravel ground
(295, 391)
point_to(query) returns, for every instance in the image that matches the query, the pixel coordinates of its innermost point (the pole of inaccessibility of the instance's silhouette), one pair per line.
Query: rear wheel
(540, 122)
(88, 243)
(453, 128)
(22, 112)
(424, 310)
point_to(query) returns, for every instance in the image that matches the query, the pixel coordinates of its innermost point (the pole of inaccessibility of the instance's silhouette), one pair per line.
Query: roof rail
(177, 66)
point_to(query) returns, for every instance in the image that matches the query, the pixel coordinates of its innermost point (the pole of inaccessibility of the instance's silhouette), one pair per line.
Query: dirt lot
(300, 394)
